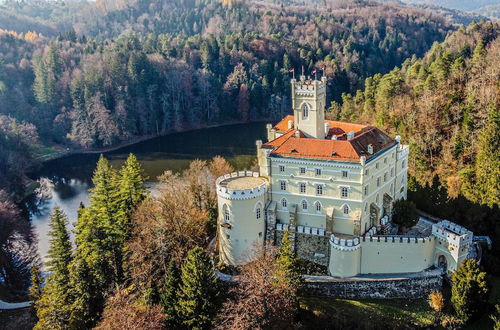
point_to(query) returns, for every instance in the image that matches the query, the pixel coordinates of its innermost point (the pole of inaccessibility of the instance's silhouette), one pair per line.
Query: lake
(69, 178)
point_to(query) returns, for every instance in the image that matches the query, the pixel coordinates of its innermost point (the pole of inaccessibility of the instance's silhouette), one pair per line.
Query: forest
(174, 65)
(77, 76)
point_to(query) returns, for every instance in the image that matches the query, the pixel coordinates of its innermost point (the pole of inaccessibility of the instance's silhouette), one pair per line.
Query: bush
(405, 213)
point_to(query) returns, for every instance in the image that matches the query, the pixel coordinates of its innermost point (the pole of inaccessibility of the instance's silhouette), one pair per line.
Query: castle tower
(308, 103)
(241, 224)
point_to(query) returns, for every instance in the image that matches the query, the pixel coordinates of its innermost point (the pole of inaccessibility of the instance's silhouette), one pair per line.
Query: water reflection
(65, 181)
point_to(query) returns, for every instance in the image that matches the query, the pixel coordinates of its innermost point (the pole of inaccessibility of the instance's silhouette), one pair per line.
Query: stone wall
(411, 286)
(314, 248)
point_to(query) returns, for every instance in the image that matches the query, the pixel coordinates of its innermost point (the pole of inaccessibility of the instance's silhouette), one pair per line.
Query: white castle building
(330, 185)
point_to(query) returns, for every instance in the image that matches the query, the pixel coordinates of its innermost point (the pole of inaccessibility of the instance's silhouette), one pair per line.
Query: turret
(241, 224)
(308, 102)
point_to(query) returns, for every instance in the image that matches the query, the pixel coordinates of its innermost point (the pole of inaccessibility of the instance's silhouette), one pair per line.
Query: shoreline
(64, 153)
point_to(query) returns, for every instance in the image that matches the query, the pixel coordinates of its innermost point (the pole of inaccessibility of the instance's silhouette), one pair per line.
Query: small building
(331, 185)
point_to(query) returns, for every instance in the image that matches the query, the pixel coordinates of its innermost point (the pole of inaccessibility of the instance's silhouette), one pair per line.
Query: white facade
(330, 179)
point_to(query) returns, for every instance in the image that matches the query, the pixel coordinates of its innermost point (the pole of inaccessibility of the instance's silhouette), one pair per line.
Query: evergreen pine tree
(36, 284)
(469, 290)
(199, 291)
(168, 298)
(286, 264)
(487, 187)
(53, 308)
(131, 192)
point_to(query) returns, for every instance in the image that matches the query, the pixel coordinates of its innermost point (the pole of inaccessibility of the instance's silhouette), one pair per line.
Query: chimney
(398, 139)
(290, 124)
(370, 149)
(350, 135)
(327, 128)
(297, 133)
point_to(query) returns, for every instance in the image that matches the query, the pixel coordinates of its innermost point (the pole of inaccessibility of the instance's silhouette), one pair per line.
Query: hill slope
(446, 106)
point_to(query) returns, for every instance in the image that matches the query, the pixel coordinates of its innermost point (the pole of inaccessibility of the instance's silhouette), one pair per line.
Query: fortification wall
(311, 244)
(396, 254)
(410, 286)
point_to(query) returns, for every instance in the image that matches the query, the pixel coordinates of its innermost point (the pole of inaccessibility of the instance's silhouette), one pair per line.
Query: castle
(331, 186)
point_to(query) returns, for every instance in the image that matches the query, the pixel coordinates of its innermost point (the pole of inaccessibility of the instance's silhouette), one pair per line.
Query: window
(403, 164)
(319, 189)
(344, 174)
(317, 206)
(282, 168)
(366, 206)
(344, 193)
(367, 171)
(376, 199)
(346, 209)
(305, 111)
(284, 203)
(302, 188)
(258, 213)
(302, 170)
(228, 237)
(260, 234)
(385, 177)
(318, 171)
(304, 205)
(366, 190)
(376, 166)
(227, 216)
(283, 185)
(385, 160)
(392, 187)
(392, 172)
(378, 182)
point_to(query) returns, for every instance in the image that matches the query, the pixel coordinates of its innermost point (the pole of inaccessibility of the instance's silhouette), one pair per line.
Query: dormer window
(370, 149)
(305, 111)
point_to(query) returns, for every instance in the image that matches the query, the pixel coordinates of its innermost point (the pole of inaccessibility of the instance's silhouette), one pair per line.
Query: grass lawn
(371, 312)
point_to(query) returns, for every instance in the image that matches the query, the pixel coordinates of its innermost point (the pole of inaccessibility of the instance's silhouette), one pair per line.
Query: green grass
(391, 312)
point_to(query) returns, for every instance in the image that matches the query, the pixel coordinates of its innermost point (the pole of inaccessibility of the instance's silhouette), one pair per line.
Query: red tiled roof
(289, 145)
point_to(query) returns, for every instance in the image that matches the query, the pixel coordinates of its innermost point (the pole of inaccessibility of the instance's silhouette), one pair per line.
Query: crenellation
(336, 206)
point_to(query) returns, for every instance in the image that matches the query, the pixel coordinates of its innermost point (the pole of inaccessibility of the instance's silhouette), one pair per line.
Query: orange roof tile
(288, 145)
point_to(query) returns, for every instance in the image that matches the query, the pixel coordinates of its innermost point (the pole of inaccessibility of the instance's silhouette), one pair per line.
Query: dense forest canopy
(446, 106)
(142, 68)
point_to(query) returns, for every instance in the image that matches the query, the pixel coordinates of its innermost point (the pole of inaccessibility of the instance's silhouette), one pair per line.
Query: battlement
(308, 87)
(403, 151)
(241, 185)
(345, 244)
(456, 235)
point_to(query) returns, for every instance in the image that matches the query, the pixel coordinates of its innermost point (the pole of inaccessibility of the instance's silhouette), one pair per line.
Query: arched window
(284, 203)
(227, 216)
(304, 205)
(305, 111)
(258, 210)
(317, 206)
(346, 209)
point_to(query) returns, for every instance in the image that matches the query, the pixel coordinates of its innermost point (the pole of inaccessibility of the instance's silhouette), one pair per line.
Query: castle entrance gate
(442, 263)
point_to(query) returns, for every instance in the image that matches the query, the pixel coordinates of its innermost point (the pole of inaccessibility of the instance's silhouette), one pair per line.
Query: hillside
(446, 106)
(465, 5)
(186, 64)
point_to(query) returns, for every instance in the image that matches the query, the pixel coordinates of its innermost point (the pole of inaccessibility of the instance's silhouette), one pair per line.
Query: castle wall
(411, 286)
(311, 247)
(391, 255)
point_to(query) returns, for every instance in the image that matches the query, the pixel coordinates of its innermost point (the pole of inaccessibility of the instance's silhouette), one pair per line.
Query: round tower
(345, 257)
(241, 197)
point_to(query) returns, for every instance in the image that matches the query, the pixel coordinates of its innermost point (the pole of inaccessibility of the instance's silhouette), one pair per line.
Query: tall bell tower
(308, 103)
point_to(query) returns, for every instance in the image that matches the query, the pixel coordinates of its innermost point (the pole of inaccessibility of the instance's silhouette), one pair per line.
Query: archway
(442, 263)
(374, 215)
(386, 205)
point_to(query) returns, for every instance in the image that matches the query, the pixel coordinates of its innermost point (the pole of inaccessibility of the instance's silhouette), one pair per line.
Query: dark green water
(68, 179)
